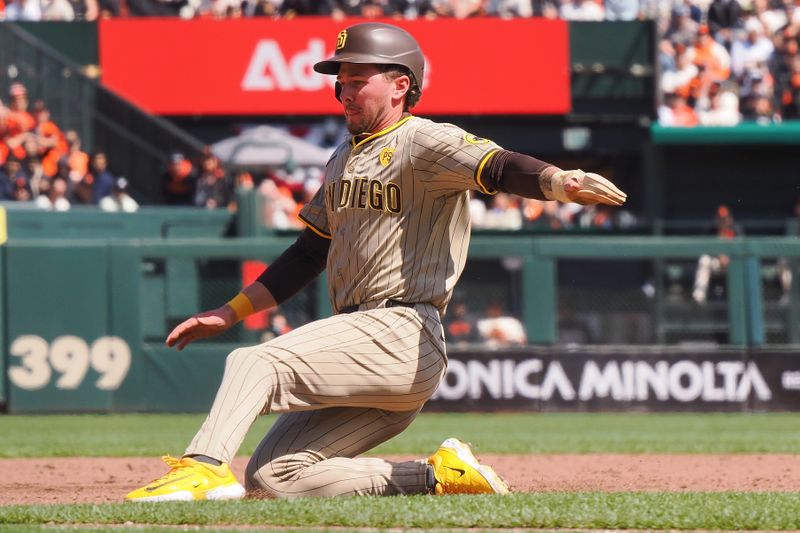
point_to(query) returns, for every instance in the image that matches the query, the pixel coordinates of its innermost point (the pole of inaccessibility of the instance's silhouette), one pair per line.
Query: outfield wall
(85, 320)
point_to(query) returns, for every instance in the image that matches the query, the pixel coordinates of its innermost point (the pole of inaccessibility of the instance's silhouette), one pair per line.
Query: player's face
(368, 97)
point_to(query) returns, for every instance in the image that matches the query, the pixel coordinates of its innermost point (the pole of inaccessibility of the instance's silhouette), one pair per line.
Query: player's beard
(358, 124)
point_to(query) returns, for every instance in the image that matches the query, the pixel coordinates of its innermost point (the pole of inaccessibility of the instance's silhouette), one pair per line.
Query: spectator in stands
(723, 18)
(35, 172)
(104, 180)
(77, 159)
(751, 49)
(109, 9)
(760, 110)
(277, 326)
(622, 9)
(511, 8)
(774, 15)
(461, 326)
(503, 213)
(546, 8)
(279, 205)
(707, 265)
(676, 112)
(264, 8)
(23, 10)
(411, 9)
(55, 198)
(293, 8)
(85, 9)
(50, 139)
(10, 174)
(57, 10)
(178, 180)
(788, 86)
(499, 329)
(119, 199)
(82, 192)
(213, 191)
(598, 218)
(19, 117)
(711, 57)
(540, 214)
(756, 94)
(21, 190)
(359, 8)
(718, 107)
(683, 30)
(581, 10)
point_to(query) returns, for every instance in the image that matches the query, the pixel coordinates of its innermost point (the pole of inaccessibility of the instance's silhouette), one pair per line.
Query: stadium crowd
(41, 164)
(721, 62)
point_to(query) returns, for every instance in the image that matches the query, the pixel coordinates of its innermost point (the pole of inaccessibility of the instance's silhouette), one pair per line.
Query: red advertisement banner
(264, 67)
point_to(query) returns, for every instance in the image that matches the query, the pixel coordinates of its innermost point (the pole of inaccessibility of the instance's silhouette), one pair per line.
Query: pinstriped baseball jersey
(396, 207)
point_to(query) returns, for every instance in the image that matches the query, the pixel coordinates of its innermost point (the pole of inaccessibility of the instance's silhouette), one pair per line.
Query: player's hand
(589, 188)
(200, 326)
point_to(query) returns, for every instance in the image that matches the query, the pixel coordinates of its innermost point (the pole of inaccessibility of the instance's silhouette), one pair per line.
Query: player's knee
(261, 481)
(238, 357)
(276, 478)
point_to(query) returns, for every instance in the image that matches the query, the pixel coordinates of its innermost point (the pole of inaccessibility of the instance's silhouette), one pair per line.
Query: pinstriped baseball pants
(345, 384)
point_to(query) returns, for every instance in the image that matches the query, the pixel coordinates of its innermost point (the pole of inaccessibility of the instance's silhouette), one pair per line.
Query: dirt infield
(100, 480)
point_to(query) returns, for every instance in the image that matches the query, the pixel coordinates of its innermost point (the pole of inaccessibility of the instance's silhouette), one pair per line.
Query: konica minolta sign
(703, 380)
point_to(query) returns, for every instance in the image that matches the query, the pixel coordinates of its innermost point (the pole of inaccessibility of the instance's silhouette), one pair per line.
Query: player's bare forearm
(215, 321)
(259, 296)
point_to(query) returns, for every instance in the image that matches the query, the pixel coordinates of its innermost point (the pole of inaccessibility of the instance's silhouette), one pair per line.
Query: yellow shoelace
(176, 465)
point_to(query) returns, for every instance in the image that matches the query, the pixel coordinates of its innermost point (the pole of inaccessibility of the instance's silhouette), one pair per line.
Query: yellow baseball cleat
(457, 471)
(190, 480)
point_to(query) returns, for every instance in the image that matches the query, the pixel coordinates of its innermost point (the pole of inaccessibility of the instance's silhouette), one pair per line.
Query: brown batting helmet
(379, 44)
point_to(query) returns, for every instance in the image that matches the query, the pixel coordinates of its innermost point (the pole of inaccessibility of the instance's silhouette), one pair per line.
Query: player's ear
(402, 84)
(338, 91)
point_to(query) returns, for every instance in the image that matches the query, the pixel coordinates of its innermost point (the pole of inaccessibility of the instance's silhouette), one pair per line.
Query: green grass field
(154, 435)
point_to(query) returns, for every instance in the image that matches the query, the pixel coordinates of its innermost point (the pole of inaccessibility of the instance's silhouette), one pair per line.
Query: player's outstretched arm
(527, 176)
(294, 269)
(254, 297)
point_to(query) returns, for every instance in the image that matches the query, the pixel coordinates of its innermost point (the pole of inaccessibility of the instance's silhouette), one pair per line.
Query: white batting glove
(584, 188)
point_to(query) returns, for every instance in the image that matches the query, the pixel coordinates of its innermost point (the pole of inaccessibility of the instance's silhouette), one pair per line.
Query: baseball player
(391, 225)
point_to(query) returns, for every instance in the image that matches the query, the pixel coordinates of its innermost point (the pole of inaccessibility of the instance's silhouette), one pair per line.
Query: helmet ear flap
(338, 91)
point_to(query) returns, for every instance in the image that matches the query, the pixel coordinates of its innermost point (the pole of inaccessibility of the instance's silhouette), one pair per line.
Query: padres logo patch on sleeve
(474, 139)
(385, 156)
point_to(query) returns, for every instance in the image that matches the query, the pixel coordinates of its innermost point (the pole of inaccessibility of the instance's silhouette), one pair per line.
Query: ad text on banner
(264, 67)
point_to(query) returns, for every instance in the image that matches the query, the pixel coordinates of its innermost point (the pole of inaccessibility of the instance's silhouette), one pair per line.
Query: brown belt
(389, 303)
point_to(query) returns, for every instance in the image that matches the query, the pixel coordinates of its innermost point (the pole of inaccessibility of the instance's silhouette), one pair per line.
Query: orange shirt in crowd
(684, 116)
(19, 122)
(704, 54)
(49, 129)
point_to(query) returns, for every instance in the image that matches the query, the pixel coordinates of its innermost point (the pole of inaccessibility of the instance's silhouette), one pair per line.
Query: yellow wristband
(241, 305)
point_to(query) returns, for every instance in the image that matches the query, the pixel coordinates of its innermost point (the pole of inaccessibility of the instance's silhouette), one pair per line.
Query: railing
(555, 279)
(137, 144)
